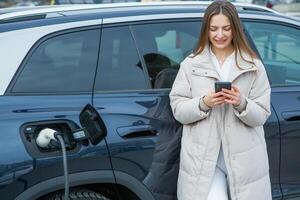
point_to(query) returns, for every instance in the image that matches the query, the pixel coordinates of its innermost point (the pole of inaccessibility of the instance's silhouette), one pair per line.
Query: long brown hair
(239, 41)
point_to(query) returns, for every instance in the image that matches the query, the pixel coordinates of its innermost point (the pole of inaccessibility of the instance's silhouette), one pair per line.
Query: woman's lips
(220, 41)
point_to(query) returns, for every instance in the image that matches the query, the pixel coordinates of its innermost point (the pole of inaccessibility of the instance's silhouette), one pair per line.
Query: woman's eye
(227, 29)
(212, 29)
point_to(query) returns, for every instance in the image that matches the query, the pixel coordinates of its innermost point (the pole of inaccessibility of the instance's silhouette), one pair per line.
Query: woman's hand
(212, 99)
(233, 96)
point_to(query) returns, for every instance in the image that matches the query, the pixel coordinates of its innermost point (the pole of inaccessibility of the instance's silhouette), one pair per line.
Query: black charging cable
(51, 139)
(58, 137)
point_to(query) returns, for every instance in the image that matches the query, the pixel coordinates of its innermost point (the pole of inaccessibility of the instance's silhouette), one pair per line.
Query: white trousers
(218, 188)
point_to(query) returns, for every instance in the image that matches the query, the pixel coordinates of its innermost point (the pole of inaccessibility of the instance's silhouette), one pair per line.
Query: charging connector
(44, 137)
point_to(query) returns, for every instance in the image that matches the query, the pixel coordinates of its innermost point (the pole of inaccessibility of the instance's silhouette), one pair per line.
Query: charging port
(30, 132)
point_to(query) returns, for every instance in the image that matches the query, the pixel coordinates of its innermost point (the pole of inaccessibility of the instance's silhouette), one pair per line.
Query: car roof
(129, 9)
(13, 13)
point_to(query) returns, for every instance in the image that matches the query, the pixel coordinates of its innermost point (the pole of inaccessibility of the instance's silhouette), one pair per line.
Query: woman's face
(220, 32)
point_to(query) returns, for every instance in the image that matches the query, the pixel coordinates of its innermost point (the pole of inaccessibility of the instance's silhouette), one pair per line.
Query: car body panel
(288, 115)
(20, 169)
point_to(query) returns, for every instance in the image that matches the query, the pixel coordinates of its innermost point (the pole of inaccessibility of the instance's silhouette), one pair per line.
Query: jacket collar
(204, 60)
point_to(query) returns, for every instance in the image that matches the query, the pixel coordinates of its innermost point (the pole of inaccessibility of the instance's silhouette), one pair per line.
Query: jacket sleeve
(257, 105)
(186, 108)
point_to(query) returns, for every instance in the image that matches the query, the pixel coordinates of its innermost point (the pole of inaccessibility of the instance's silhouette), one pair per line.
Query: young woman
(223, 149)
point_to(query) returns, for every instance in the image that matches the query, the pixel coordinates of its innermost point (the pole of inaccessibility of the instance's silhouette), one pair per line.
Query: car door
(52, 86)
(131, 95)
(279, 47)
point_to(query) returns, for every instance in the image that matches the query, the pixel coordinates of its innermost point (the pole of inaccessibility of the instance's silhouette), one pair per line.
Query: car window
(64, 63)
(163, 46)
(119, 66)
(279, 47)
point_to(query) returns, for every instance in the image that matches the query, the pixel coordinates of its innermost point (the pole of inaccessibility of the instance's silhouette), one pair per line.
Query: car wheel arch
(85, 178)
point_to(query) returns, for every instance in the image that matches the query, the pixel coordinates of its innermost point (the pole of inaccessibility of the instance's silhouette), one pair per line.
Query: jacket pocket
(251, 165)
(202, 80)
(191, 156)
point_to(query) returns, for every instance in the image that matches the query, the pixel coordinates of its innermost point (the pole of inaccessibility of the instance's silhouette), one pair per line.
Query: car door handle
(291, 116)
(136, 131)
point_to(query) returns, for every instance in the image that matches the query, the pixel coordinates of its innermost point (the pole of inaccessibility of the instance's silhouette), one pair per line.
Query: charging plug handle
(45, 136)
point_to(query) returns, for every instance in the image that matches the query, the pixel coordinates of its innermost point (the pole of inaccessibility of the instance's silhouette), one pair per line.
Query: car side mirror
(92, 124)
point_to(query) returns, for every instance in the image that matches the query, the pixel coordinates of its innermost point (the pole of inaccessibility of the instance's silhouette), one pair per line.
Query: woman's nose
(220, 33)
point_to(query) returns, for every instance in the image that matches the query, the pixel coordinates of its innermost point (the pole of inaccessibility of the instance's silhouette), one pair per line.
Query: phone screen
(219, 85)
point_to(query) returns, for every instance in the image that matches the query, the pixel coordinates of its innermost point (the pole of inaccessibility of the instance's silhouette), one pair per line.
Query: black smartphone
(222, 84)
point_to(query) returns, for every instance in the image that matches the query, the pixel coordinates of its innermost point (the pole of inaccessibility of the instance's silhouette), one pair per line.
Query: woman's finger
(231, 92)
(231, 101)
(218, 99)
(235, 89)
(227, 91)
(229, 96)
(215, 95)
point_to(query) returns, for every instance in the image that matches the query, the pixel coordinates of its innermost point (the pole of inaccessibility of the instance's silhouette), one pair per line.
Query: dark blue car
(122, 59)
